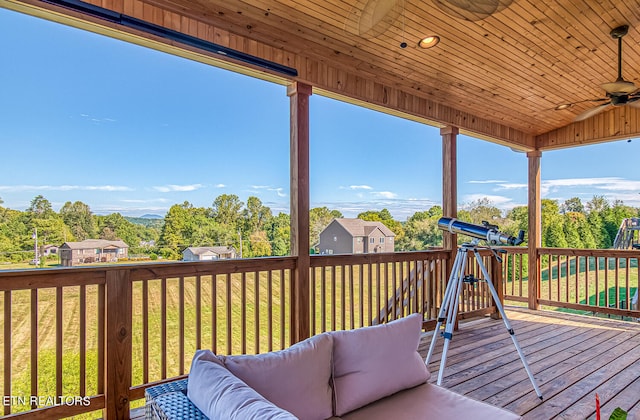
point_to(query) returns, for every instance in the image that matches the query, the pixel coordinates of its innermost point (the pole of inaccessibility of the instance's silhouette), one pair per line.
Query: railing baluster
(283, 299)
(145, 331)
(361, 291)
(343, 296)
(59, 303)
(229, 323)
(83, 340)
(214, 313)
(163, 328)
(333, 298)
(314, 298)
(243, 313)
(181, 325)
(352, 298)
(198, 298)
(323, 300)
(8, 356)
(256, 278)
(270, 309)
(34, 345)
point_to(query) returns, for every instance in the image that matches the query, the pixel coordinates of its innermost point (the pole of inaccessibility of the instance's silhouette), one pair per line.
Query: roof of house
(199, 250)
(359, 227)
(94, 243)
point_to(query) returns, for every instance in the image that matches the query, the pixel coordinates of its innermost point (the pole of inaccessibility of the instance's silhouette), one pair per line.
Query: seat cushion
(429, 401)
(296, 379)
(373, 362)
(221, 395)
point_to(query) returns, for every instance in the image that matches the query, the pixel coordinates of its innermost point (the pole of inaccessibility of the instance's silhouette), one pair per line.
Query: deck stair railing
(626, 233)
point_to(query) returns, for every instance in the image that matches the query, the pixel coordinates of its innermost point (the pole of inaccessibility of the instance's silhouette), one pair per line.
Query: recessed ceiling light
(429, 41)
(562, 106)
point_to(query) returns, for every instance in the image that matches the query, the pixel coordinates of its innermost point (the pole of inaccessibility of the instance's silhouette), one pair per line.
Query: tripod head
(487, 232)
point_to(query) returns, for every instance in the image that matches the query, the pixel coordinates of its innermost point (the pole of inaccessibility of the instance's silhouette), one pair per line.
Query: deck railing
(99, 336)
(587, 280)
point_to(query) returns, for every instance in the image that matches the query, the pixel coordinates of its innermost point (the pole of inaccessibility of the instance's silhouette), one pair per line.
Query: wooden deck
(572, 358)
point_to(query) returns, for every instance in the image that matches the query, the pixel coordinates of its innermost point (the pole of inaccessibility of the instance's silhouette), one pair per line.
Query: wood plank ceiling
(510, 68)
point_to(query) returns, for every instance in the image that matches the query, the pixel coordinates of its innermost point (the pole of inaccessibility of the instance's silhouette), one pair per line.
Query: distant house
(208, 253)
(91, 251)
(356, 236)
(49, 250)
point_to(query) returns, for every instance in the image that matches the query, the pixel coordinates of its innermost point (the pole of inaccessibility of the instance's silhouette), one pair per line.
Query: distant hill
(151, 220)
(151, 216)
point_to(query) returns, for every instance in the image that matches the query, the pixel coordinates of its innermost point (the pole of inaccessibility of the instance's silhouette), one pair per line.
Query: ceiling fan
(618, 93)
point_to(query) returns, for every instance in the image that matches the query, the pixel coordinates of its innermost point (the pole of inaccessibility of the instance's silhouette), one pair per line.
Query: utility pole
(35, 247)
(240, 237)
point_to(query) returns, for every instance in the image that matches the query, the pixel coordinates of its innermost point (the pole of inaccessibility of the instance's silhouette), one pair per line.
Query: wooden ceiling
(497, 75)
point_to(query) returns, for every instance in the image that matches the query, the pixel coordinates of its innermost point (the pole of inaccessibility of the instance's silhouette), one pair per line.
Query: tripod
(449, 308)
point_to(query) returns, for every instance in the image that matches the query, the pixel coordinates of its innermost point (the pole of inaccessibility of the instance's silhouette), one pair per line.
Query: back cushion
(296, 379)
(221, 395)
(373, 362)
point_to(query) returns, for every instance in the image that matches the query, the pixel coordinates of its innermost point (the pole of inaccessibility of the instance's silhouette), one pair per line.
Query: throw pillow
(220, 395)
(296, 379)
(373, 362)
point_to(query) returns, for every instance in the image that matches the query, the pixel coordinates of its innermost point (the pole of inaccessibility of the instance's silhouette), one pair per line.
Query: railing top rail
(619, 253)
(356, 259)
(78, 276)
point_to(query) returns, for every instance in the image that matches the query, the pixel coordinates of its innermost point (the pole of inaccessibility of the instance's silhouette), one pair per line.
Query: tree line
(254, 230)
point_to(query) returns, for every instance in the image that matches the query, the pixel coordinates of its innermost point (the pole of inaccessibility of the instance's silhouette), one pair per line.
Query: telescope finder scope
(486, 232)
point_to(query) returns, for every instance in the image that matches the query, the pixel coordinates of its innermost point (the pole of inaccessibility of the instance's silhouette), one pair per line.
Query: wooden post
(535, 226)
(496, 278)
(449, 185)
(449, 193)
(118, 324)
(300, 308)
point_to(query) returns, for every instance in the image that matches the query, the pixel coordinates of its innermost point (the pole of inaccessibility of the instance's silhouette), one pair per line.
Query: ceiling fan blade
(591, 112)
(634, 102)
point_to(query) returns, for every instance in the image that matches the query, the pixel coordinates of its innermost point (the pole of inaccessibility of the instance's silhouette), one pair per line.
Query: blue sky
(131, 130)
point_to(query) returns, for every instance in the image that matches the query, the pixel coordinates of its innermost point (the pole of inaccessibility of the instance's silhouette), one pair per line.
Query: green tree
(278, 229)
(483, 210)
(552, 225)
(78, 218)
(572, 205)
(227, 210)
(421, 231)
(260, 246)
(255, 215)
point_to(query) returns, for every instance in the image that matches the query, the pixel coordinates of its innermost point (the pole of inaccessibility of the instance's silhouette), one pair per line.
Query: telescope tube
(487, 233)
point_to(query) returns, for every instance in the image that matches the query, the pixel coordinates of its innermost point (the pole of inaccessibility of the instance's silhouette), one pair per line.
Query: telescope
(486, 232)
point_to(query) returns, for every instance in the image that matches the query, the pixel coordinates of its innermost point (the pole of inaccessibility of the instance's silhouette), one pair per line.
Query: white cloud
(219, 186)
(278, 190)
(357, 187)
(384, 194)
(151, 200)
(511, 186)
(22, 188)
(178, 188)
(488, 181)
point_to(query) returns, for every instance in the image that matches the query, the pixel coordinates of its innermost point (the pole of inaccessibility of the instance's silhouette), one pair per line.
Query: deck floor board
(572, 357)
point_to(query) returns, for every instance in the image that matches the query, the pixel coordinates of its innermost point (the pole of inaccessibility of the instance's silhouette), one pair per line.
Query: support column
(449, 183)
(450, 193)
(535, 226)
(299, 151)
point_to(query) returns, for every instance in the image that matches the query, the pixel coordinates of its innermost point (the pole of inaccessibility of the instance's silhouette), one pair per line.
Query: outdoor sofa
(367, 373)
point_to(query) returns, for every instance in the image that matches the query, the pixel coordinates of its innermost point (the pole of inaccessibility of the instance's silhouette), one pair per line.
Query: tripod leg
(507, 324)
(453, 304)
(451, 285)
